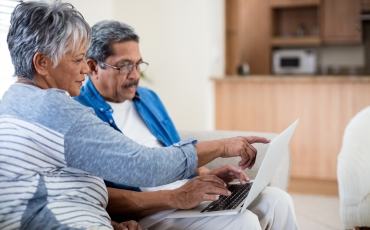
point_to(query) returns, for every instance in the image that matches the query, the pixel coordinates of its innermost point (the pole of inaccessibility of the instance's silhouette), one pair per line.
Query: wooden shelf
(293, 4)
(296, 41)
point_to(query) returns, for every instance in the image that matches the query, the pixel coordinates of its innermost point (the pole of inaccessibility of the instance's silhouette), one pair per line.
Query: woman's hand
(242, 146)
(229, 147)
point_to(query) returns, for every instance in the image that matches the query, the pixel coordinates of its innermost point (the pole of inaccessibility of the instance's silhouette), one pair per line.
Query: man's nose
(134, 74)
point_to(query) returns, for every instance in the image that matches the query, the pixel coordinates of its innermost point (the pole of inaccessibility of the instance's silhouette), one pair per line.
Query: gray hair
(53, 29)
(106, 32)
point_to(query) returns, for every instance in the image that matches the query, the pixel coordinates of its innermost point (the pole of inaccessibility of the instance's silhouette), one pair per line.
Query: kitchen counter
(324, 105)
(300, 79)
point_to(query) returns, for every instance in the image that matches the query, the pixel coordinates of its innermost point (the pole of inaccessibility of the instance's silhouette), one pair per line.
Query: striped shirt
(54, 153)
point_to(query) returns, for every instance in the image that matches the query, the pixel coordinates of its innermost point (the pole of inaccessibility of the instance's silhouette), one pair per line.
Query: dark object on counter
(243, 69)
(301, 30)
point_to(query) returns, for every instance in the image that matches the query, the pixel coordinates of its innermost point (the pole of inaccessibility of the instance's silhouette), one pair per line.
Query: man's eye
(79, 60)
(125, 67)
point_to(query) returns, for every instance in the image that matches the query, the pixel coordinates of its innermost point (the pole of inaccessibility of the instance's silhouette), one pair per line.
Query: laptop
(243, 195)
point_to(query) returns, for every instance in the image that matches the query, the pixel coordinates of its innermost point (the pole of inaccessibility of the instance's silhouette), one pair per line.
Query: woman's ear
(93, 68)
(41, 62)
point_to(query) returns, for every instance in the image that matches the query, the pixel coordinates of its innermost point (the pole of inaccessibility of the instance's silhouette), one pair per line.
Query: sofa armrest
(353, 172)
(281, 178)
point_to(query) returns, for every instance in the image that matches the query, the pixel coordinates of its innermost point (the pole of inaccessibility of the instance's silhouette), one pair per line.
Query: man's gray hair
(106, 32)
(53, 29)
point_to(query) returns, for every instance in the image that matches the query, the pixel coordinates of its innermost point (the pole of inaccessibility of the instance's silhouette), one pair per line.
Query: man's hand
(228, 173)
(127, 225)
(198, 189)
(242, 146)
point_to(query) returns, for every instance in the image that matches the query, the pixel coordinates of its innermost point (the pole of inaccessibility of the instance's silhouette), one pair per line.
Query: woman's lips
(79, 82)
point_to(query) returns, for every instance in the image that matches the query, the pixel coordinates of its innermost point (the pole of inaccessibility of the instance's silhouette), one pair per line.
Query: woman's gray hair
(106, 32)
(53, 29)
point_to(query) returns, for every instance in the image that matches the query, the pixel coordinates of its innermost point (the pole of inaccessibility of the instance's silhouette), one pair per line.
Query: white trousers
(272, 209)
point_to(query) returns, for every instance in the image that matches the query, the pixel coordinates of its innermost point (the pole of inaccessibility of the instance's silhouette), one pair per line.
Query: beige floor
(317, 212)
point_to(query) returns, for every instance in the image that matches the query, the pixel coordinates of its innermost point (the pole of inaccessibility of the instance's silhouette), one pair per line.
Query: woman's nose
(84, 68)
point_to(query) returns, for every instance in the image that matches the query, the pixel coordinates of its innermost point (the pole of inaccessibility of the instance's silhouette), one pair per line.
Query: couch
(353, 172)
(281, 178)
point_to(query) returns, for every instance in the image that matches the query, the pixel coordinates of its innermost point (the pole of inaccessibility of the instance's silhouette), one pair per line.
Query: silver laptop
(243, 195)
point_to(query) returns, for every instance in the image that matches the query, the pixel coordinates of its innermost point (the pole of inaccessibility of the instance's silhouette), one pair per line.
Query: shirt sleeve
(93, 146)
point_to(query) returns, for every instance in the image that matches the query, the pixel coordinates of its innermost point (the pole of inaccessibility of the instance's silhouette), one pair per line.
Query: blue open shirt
(148, 105)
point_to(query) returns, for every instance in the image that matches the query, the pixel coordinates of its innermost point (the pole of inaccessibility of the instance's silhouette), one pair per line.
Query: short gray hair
(53, 29)
(106, 32)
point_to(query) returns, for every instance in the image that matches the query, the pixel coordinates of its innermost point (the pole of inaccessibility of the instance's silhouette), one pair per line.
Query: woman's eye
(78, 60)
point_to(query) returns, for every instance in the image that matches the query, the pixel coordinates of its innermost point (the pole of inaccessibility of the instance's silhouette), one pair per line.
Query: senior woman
(54, 151)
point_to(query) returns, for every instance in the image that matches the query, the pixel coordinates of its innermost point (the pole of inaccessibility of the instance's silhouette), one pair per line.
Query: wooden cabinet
(247, 35)
(233, 33)
(296, 26)
(365, 5)
(341, 22)
(254, 28)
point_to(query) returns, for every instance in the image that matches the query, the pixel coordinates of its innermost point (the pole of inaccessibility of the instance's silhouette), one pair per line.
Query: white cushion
(353, 172)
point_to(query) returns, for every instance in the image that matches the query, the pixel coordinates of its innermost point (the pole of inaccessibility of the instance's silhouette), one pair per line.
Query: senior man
(115, 64)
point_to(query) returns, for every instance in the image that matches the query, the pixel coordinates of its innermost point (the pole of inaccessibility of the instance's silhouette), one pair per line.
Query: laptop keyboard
(238, 194)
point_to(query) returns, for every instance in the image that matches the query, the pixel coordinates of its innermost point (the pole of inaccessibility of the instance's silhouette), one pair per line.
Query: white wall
(183, 41)
(94, 10)
(6, 65)
(343, 56)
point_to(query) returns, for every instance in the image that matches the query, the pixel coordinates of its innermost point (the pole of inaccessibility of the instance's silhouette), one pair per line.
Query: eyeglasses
(127, 69)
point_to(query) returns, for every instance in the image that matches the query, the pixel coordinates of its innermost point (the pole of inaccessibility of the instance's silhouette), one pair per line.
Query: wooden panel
(324, 109)
(231, 15)
(248, 35)
(232, 47)
(233, 52)
(310, 186)
(256, 36)
(365, 5)
(298, 41)
(341, 22)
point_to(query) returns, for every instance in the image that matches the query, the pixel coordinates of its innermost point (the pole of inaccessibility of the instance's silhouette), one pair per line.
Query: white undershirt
(129, 121)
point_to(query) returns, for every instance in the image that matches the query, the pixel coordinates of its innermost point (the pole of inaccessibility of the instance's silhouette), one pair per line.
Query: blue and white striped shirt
(54, 152)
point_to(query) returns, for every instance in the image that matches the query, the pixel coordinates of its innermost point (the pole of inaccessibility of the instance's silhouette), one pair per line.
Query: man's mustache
(131, 83)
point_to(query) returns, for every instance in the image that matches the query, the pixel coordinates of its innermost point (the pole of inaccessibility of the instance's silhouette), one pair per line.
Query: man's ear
(41, 63)
(93, 67)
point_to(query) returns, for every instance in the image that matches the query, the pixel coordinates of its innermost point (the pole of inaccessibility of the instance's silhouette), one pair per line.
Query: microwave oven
(294, 61)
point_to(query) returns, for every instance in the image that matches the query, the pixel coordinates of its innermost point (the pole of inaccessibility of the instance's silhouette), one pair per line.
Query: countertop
(292, 79)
